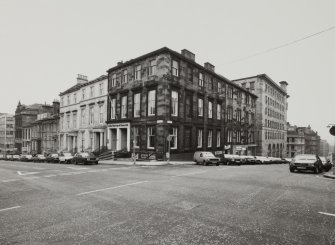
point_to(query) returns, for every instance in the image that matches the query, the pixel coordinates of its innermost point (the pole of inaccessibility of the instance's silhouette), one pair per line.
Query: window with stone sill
(210, 138)
(175, 68)
(137, 105)
(210, 109)
(151, 135)
(199, 141)
(138, 72)
(152, 103)
(152, 68)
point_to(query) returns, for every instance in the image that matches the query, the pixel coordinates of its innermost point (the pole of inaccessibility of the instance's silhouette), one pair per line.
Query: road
(43, 203)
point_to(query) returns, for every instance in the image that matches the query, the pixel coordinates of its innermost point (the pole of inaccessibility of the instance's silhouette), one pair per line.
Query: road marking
(327, 214)
(5, 209)
(26, 173)
(50, 175)
(111, 188)
(9, 180)
(199, 172)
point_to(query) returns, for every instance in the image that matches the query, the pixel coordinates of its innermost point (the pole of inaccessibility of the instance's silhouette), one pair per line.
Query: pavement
(330, 174)
(130, 162)
(43, 203)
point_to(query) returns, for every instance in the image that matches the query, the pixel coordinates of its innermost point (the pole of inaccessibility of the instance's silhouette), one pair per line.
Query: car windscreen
(208, 154)
(303, 157)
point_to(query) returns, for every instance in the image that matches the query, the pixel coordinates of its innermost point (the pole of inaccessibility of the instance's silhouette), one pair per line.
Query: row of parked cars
(64, 157)
(205, 157)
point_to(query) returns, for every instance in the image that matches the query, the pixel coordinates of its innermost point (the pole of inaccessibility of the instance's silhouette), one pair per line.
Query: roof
(180, 56)
(78, 86)
(267, 78)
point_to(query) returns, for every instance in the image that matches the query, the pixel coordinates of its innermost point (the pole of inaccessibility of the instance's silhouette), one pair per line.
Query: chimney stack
(81, 79)
(188, 54)
(209, 66)
(283, 85)
(56, 106)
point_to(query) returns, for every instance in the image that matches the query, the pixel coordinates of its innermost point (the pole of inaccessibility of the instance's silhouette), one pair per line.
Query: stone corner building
(165, 96)
(25, 116)
(271, 113)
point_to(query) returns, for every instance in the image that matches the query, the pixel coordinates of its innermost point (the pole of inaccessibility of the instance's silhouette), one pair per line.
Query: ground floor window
(218, 138)
(199, 138)
(210, 138)
(136, 131)
(173, 136)
(151, 137)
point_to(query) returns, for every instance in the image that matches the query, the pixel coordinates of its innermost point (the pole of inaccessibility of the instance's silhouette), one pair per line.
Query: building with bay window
(165, 100)
(83, 110)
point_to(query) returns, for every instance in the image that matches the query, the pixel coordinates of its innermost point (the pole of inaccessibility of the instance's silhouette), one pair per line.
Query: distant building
(83, 111)
(45, 131)
(312, 140)
(324, 148)
(164, 100)
(295, 141)
(24, 117)
(271, 113)
(6, 133)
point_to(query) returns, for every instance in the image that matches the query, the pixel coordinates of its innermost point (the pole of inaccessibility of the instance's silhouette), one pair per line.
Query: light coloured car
(306, 162)
(65, 157)
(263, 160)
(205, 157)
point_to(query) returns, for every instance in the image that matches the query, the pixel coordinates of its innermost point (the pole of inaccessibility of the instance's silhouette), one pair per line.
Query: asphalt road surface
(43, 203)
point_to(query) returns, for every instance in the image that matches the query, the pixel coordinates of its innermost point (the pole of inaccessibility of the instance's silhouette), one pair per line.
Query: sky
(44, 44)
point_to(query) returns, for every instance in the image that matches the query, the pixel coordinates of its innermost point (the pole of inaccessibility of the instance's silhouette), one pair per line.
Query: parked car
(9, 157)
(250, 160)
(234, 159)
(326, 164)
(65, 157)
(263, 160)
(25, 158)
(84, 158)
(287, 159)
(38, 158)
(306, 162)
(54, 157)
(205, 157)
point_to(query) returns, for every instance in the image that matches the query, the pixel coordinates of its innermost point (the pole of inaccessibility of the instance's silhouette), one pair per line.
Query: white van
(205, 157)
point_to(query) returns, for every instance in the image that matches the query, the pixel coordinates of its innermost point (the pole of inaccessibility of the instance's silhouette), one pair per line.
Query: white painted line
(69, 173)
(9, 180)
(111, 188)
(50, 175)
(33, 177)
(180, 175)
(5, 209)
(22, 173)
(327, 214)
(77, 168)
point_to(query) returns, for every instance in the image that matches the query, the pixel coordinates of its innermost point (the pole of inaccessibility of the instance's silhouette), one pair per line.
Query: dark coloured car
(306, 162)
(326, 164)
(228, 159)
(85, 158)
(54, 157)
(38, 158)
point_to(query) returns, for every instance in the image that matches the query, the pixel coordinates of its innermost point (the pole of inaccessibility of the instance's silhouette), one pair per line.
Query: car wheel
(316, 170)
(205, 163)
(292, 170)
(75, 162)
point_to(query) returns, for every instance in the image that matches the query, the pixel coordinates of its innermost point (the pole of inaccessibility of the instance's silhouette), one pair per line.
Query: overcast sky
(45, 44)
